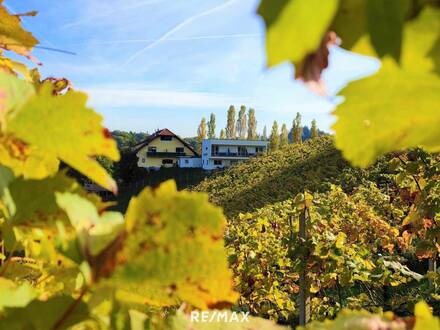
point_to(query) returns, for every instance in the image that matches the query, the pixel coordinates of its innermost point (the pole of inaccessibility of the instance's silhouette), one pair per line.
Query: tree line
(298, 133)
(245, 127)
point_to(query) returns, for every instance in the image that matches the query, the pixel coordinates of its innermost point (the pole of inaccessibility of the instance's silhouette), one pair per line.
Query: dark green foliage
(128, 139)
(136, 179)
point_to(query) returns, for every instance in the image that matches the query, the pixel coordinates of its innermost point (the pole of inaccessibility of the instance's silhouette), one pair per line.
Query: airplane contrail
(108, 13)
(177, 28)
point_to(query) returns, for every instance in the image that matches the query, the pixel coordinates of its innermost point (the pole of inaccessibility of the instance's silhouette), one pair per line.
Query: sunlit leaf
(44, 315)
(13, 93)
(295, 28)
(424, 318)
(174, 244)
(13, 295)
(95, 231)
(12, 36)
(70, 132)
(35, 199)
(401, 110)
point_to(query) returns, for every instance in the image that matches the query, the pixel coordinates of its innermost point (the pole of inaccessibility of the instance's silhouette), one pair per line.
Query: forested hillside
(280, 175)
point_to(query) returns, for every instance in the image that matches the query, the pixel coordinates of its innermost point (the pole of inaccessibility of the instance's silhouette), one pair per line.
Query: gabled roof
(159, 133)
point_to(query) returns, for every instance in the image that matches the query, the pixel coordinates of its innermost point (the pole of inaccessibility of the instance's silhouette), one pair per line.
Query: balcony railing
(234, 154)
(165, 154)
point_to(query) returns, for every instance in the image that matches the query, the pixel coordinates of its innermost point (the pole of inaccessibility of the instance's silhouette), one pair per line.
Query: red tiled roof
(165, 132)
(162, 132)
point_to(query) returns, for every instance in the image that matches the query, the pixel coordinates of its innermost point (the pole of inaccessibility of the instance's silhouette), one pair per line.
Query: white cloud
(114, 97)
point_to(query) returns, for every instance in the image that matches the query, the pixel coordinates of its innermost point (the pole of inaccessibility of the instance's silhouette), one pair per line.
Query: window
(242, 151)
(180, 150)
(143, 160)
(152, 149)
(166, 138)
(167, 161)
(186, 161)
(217, 162)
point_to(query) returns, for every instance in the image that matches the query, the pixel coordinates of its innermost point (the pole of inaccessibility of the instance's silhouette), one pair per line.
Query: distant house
(218, 153)
(165, 149)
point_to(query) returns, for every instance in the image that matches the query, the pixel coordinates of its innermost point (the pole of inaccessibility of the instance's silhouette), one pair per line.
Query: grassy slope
(278, 176)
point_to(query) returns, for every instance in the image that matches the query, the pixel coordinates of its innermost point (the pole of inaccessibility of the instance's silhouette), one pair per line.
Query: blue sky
(150, 64)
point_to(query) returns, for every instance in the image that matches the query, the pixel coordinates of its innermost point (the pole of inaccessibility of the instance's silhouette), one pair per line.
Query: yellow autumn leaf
(424, 318)
(175, 245)
(12, 36)
(66, 129)
(340, 240)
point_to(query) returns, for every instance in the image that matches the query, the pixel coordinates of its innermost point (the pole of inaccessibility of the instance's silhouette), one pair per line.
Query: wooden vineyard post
(304, 291)
(432, 268)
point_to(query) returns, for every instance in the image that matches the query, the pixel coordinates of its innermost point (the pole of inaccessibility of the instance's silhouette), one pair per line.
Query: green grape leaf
(350, 22)
(295, 28)
(95, 231)
(13, 295)
(378, 22)
(385, 20)
(35, 199)
(174, 244)
(70, 131)
(401, 110)
(7, 206)
(13, 93)
(6, 177)
(12, 36)
(44, 315)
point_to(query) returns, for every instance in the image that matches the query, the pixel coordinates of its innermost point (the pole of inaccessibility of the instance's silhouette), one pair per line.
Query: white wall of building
(189, 162)
(229, 152)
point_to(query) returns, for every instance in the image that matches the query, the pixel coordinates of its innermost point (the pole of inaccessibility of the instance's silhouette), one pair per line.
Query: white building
(189, 162)
(223, 153)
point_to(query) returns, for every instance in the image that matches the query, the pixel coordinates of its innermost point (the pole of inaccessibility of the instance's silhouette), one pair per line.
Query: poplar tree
(264, 136)
(252, 125)
(242, 123)
(230, 125)
(274, 141)
(211, 126)
(297, 129)
(284, 137)
(201, 134)
(314, 130)
(222, 134)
